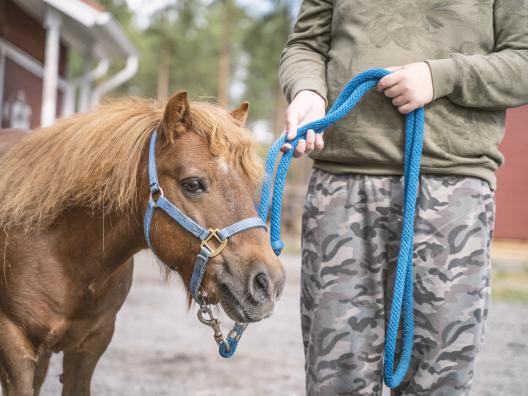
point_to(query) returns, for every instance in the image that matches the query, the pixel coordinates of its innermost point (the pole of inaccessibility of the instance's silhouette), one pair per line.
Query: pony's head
(208, 167)
(96, 163)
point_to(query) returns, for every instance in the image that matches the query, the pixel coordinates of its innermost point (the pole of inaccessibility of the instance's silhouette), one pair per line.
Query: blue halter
(213, 242)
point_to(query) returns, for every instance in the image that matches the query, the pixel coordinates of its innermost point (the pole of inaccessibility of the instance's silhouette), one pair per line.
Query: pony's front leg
(79, 363)
(41, 369)
(17, 358)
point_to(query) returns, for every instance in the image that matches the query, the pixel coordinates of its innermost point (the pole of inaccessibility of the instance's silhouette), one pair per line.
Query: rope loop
(401, 312)
(227, 347)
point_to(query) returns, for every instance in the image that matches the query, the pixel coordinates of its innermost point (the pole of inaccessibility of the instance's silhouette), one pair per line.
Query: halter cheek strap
(213, 241)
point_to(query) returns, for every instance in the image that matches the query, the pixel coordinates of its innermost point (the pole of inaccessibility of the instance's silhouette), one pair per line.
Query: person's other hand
(307, 106)
(410, 86)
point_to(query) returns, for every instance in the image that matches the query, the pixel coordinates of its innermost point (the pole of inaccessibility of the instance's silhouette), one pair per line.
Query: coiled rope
(402, 298)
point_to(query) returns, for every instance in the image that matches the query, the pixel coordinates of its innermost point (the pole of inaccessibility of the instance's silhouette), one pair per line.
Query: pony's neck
(96, 245)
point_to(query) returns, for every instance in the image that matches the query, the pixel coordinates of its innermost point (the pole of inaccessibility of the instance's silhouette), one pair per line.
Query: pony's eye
(193, 185)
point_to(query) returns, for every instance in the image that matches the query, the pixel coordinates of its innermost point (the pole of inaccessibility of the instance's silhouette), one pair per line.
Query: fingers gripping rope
(402, 301)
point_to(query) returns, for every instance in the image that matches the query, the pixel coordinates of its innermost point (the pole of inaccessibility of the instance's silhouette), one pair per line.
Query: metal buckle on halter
(213, 233)
(159, 193)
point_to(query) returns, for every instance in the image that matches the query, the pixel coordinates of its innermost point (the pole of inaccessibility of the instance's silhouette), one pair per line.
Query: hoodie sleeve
(495, 81)
(304, 58)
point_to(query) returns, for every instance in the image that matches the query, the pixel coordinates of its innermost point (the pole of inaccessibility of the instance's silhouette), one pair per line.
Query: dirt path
(160, 349)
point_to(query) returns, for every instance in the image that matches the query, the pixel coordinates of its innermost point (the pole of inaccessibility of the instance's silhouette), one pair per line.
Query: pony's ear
(176, 117)
(240, 114)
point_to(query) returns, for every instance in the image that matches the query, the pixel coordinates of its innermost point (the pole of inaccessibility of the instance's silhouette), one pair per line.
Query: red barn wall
(512, 185)
(28, 35)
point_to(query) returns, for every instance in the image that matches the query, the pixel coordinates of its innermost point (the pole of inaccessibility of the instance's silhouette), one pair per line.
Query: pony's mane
(92, 160)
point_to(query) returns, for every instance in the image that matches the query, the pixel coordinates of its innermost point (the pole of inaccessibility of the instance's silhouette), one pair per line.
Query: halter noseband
(213, 242)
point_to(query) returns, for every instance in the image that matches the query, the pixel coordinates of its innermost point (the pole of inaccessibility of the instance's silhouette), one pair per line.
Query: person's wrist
(309, 94)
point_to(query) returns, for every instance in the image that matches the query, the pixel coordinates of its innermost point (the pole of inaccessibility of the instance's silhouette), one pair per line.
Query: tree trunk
(164, 71)
(280, 112)
(224, 63)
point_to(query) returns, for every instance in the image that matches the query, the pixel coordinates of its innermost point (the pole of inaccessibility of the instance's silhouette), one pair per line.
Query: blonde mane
(92, 160)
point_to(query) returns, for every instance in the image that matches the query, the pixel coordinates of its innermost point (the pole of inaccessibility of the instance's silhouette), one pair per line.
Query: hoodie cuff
(445, 75)
(307, 85)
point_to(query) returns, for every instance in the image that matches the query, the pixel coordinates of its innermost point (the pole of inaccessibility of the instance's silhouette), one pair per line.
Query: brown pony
(72, 198)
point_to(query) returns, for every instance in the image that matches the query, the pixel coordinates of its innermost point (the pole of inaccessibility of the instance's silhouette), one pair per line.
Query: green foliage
(264, 42)
(190, 31)
(141, 83)
(510, 285)
(119, 9)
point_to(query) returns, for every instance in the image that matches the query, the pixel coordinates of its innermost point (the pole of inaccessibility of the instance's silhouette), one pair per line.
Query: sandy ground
(161, 349)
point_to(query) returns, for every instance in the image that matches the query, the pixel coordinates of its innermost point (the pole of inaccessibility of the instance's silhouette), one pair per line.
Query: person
(17, 113)
(466, 62)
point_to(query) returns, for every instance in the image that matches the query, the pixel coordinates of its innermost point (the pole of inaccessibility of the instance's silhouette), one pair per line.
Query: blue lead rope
(402, 299)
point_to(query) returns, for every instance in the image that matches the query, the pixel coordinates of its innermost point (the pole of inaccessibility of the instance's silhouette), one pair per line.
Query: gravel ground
(161, 349)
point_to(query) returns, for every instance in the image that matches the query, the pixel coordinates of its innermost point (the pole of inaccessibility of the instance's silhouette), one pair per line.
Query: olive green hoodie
(477, 51)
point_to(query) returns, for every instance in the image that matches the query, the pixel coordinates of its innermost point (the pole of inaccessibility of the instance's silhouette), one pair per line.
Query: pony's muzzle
(265, 284)
(259, 287)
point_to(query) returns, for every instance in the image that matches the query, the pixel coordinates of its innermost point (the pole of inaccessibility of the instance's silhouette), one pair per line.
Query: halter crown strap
(152, 173)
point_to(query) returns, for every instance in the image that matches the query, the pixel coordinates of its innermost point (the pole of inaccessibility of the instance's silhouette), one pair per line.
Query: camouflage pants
(351, 228)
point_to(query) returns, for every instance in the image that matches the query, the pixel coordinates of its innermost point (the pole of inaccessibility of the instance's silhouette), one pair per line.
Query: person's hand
(409, 86)
(307, 106)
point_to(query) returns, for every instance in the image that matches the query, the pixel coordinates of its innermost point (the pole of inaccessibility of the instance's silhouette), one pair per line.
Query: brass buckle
(213, 233)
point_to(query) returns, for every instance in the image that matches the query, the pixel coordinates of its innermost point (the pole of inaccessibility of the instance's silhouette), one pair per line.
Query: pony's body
(70, 309)
(67, 249)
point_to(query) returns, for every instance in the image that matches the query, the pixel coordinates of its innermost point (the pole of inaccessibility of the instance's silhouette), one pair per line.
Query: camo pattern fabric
(351, 231)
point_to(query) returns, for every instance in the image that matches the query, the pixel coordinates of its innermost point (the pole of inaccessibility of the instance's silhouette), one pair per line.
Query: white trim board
(2, 78)
(27, 62)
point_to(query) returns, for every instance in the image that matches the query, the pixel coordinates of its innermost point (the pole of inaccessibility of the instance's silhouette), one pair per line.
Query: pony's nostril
(261, 284)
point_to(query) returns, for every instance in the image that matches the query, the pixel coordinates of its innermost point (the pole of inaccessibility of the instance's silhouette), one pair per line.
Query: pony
(72, 199)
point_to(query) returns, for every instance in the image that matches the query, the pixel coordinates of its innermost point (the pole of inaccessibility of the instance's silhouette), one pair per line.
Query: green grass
(511, 286)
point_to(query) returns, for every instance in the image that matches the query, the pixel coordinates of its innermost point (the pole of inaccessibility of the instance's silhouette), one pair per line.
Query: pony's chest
(87, 309)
